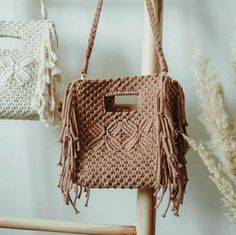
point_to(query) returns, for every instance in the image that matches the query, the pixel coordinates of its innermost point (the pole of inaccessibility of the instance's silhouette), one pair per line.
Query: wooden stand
(146, 214)
(145, 200)
(65, 227)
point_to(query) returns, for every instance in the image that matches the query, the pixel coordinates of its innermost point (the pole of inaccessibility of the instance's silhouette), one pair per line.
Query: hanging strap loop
(155, 29)
(44, 13)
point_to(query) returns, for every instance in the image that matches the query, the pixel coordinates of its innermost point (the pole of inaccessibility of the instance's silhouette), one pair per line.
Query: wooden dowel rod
(145, 224)
(146, 214)
(65, 227)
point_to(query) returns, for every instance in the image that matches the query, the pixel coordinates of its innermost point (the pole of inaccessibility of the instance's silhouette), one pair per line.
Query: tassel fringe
(70, 151)
(171, 173)
(46, 99)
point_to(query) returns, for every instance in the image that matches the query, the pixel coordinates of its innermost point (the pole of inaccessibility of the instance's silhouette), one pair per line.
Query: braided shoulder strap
(155, 29)
(44, 13)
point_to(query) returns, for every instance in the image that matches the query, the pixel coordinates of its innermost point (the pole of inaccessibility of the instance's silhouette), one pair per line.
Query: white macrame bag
(29, 77)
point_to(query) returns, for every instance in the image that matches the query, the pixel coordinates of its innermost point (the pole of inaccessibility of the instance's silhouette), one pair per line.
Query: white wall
(29, 152)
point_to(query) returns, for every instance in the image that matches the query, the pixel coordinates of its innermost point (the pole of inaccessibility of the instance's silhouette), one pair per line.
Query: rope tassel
(70, 151)
(46, 99)
(171, 173)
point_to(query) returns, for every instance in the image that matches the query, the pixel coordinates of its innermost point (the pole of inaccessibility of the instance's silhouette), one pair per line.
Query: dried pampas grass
(218, 177)
(219, 123)
(216, 116)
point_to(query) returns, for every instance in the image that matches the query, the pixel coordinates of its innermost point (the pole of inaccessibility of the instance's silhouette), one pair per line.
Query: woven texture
(27, 75)
(105, 146)
(17, 88)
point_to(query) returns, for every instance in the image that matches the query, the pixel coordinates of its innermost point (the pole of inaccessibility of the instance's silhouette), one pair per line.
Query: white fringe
(46, 99)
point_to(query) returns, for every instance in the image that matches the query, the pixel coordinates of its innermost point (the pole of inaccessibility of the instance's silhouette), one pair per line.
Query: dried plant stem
(218, 177)
(216, 117)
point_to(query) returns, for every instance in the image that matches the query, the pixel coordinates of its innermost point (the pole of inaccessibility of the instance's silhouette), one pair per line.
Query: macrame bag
(29, 75)
(107, 146)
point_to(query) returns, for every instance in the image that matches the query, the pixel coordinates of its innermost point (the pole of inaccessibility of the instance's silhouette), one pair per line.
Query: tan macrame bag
(105, 146)
(29, 76)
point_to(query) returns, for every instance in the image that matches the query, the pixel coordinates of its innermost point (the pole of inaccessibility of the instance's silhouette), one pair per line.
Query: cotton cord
(44, 13)
(46, 99)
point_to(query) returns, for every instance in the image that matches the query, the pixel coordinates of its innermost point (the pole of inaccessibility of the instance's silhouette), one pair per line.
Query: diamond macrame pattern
(18, 70)
(107, 136)
(138, 134)
(110, 136)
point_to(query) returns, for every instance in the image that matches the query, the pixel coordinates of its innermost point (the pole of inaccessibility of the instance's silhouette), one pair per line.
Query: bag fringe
(46, 100)
(70, 152)
(171, 172)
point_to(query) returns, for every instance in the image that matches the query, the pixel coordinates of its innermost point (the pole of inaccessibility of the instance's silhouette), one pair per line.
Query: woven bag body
(118, 148)
(108, 146)
(26, 74)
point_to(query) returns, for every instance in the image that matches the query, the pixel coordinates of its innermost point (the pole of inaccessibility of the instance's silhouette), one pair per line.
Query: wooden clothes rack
(146, 219)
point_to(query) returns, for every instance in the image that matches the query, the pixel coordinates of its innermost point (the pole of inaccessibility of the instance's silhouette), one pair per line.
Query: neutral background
(29, 152)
